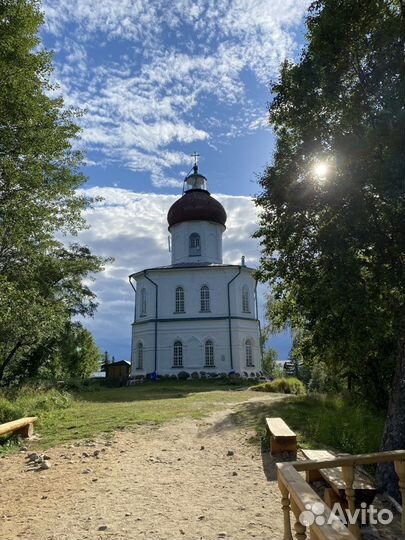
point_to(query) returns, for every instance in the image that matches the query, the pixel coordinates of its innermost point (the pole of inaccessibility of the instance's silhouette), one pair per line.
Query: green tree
(270, 358)
(41, 279)
(333, 200)
(71, 354)
(80, 356)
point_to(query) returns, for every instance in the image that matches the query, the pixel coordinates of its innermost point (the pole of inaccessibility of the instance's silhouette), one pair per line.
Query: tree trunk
(8, 359)
(394, 431)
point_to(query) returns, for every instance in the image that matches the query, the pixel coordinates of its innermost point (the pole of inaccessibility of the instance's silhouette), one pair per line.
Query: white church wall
(193, 334)
(191, 280)
(210, 240)
(246, 330)
(144, 334)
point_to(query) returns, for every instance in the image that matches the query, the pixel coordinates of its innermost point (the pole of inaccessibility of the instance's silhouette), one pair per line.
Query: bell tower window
(194, 245)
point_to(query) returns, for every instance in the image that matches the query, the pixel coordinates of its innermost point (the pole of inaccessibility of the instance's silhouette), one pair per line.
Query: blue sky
(159, 80)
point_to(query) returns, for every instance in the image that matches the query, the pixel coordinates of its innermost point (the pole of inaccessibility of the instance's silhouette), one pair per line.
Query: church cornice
(191, 266)
(177, 319)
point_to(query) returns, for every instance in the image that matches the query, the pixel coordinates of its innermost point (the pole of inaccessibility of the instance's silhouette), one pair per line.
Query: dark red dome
(196, 205)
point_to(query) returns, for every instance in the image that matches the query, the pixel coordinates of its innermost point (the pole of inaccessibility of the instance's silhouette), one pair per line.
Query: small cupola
(195, 180)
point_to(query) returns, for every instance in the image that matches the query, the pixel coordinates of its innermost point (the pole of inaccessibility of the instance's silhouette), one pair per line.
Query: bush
(183, 376)
(195, 375)
(284, 385)
(84, 385)
(30, 401)
(8, 411)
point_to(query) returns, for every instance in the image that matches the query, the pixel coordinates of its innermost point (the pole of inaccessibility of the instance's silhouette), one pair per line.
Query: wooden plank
(331, 498)
(364, 488)
(279, 428)
(22, 424)
(317, 455)
(281, 445)
(358, 459)
(282, 438)
(304, 496)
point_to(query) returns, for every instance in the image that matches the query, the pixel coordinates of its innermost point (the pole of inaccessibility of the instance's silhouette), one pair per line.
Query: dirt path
(186, 479)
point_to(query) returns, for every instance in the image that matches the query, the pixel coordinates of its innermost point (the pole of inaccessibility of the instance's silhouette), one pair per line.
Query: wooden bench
(364, 488)
(22, 426)
(282, 438)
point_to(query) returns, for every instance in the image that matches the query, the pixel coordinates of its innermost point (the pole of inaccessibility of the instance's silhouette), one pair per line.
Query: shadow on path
(251, 416)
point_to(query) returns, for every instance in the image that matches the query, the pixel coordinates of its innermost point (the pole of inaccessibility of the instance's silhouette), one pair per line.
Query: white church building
(197, 315)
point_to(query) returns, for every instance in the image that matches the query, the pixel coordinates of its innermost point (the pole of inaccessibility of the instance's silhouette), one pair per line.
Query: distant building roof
(119, 363)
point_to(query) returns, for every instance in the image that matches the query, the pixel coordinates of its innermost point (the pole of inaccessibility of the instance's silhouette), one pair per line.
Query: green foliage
(338, 423)
(31, 401)
(334, 245)
(41, 283)
(73, 354)
(284, 385)
(269, 364)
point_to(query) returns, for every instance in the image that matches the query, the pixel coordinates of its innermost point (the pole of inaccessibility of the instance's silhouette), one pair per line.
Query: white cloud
(132, 228)
(155, 74)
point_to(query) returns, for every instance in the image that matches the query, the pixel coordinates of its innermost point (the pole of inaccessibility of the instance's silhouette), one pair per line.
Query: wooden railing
(297, 495)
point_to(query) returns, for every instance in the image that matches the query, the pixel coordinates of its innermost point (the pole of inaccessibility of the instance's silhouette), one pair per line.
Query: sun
(321, 169)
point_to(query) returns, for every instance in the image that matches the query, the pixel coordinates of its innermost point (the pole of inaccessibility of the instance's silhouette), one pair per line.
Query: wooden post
(348, 477)
(285, 503)
(400, 470)
(26, 431)
(313, 476)
(300, 529)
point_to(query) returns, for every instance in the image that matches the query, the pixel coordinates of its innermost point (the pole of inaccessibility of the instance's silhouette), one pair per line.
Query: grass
(89, 413)
(320, 422)
(283, 385)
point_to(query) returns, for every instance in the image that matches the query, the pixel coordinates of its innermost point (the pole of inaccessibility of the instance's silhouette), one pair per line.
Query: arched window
(179, 308)
(178, 354)
(139, 356)
(205, 298)
(249, 353)
(143, 302)
(245, 299)
(209, 354)
(194, 245)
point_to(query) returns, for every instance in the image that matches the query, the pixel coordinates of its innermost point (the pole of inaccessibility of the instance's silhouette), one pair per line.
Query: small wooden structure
(118, 370)
(365, 490)
(282, 438)
(297, 494)
(23, 427)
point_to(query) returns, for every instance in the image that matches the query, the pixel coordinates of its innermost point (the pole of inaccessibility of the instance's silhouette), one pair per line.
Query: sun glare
(321, 169)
